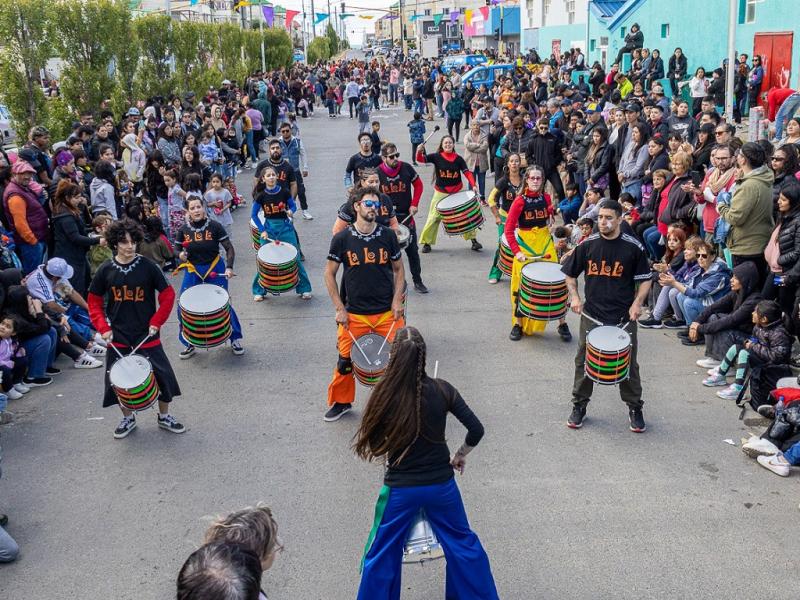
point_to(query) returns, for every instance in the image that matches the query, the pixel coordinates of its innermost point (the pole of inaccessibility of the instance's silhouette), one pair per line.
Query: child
(293, 124)
(231, 150)
(416, 130)
(13, 361)
(175, 198)
(155, 245)
(770, 344)
(99, 253)
(376, 140)
(586, 226)
(218, 201)
(591, 204)
(562, 238)
(237, 200)
(680, 263)
(628, 203)
(363, 110)
(210, 154)
(569, 206)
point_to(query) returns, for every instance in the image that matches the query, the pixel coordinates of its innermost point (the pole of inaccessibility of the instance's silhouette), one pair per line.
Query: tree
(333, 40)
(319, 49)
(154, 76)
(277, 48)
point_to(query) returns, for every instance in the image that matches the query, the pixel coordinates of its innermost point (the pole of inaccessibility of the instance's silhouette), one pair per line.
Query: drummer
(613, 264)
(129, 301)
(448, 168)
(365, 158)
(199, 239)
(399, 181)
(374, 279)
(529, 238)
(385, 214)
(278, 205)
(505, 191)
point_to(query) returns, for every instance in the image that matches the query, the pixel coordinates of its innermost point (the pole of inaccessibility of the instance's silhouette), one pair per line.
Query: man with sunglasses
(374, 279)
(399, 181)
(294, 151)
(363, 159)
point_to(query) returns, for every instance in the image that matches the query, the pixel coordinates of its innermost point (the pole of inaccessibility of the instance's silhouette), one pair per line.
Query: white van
(7, 133)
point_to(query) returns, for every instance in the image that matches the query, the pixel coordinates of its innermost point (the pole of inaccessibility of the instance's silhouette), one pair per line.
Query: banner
(453, 17)
(320, 18)
(485, 12)
(414, 17)
(290, 15)
(468, 17)
(269, 15)
(437, 19)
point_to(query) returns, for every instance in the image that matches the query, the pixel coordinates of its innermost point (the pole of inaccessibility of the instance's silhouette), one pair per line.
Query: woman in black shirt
(404, 425)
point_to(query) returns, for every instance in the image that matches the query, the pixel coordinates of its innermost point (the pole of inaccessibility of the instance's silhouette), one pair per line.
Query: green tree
(277, 49)
(333, 39)
(154, 75)
(319, 49)
(127, 63)
(25, 31)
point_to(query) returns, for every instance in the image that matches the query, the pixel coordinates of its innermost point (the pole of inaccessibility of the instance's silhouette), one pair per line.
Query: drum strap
(530, 250)
(192, 269)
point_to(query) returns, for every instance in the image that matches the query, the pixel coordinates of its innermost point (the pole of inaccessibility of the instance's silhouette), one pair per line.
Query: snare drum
(505, 260)
(369, 370)
(278, 268)
(608, 355)
(421, 543)
(460, 212)
(255, 234)
(403, 236)
(133, 382)
(205, 315)
(542, 294)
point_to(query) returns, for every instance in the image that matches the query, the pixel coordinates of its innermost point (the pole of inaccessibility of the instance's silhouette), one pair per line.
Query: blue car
(458, 61)
(488, 74)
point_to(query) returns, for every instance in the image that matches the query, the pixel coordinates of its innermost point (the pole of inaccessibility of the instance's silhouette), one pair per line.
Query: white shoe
(708, 363)
(756, 446)
(306, 295)
(98, 339)
(776, 463)
(308, 216)
(22, 388)
(715, 371)
(259, 298)
(97, 350)
(492, 281)
(85, 361)
(13, 394)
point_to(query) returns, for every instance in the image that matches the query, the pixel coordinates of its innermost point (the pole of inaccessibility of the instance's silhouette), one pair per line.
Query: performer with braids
(447, 170)
(528, 237)
(505, 191)
(404, 425)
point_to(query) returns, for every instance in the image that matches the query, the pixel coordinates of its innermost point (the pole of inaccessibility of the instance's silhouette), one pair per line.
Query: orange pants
(342, 388)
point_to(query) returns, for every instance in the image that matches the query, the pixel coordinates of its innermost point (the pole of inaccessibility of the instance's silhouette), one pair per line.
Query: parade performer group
(373, 279)
(129, 301)
(505, 191)
(385, 214)
(448, 168)
(527, 234)
(199, 239)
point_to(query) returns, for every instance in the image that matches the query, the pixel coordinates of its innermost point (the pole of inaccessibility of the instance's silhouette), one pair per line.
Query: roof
(604, 9)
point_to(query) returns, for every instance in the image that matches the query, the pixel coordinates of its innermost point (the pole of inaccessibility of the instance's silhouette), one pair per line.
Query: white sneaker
(306, 295)
(776, 463)
(492, 281)
(308, 216)
(22, 388)
(259, 298)
(708, 363)
(756, 446)
(236, 347)
(97, 350)
(85, 361)
(98, 339)
(13, 394)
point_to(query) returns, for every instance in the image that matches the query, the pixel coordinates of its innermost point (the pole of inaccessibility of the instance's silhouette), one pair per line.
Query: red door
(775, 50)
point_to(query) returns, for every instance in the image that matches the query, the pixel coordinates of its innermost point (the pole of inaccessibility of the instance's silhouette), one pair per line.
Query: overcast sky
(355, 25)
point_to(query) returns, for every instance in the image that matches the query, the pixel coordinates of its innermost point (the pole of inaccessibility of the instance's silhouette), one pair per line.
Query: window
(570, 11)
(529, 7)
(622, 33)
(462, 10)
(445, 11)
(592, 45)
(427, 12)
(747, 11)
(604, 41)
(545, 11)
(664, 31)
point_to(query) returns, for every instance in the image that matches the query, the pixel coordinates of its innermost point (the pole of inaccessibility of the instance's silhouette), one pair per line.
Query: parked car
(458, 61)
(488, 74)
(7, 133)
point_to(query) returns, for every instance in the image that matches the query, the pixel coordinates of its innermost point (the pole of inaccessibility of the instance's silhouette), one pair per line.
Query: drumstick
(592, 319)
(117, 351)
(435, 129)
(359, 348)
(387, 337)
(147, 337)
(406, 219)
(435, 369)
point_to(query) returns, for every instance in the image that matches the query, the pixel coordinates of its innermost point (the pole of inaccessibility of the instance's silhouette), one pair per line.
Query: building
(554, 26)
(503, 25)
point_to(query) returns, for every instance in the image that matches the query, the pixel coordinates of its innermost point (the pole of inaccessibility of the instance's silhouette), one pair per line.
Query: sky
(355, 25)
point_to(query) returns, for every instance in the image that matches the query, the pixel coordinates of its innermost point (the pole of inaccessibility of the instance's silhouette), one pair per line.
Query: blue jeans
(41, 352)
(480, 178)
(192, 279)
(31, 255)
(407, 98)
(652, 242)
(163, 211)
(792, 455)
(690, 307)
(8, 547)
(251, 147)
(634, 189)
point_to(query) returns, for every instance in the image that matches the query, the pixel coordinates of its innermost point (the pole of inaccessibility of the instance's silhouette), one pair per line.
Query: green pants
(429, 233)
(495, 272)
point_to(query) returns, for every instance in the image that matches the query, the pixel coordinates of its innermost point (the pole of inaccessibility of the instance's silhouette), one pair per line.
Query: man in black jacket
(633, 40)
(546, 151)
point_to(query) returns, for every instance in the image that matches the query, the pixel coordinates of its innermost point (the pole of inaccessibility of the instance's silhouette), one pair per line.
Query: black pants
(555, 180)
(467, 114)
(352, 103)
(453, 123)
(301, 189)
(412, 250)
(623, 50)
(414, 146)
(13, 375)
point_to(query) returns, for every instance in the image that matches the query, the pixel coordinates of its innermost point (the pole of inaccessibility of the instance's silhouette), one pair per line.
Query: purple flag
(269, 15)
(453, 17)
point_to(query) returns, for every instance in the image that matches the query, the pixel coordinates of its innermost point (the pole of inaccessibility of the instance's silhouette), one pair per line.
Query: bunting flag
(290, 15)
(345, 15)
(240, 4)
(485, 12)
(269, 15)
(366, 17)
(468, 17)
(320, 18)
(437, 19)
(193, 2)
(413, 17)
(453, 17)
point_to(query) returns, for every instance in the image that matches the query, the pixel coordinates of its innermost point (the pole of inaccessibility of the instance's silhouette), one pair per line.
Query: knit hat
(22, 167)
(64, 158)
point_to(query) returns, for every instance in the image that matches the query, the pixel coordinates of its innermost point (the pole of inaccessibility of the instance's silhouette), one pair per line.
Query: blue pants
(792, 455)
(251, 146)
(468, 575)
(9, 551)
(192, 279)
(480, 179)
(78, 319)
(690, 307)
(31, 255)
(41, 352)
(634, 189)
(652, 242)
(283, 231)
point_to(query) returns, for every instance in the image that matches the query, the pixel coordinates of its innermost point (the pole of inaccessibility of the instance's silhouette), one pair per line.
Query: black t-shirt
(611, 268)
(274, 205)
(534, 212)
(447, 173)
(283, 169)
(400, 187)
(507, 192)
(359, 162)
(368, 275)
(130, 294)
(428, 459)
(201, 240)
(385, 212)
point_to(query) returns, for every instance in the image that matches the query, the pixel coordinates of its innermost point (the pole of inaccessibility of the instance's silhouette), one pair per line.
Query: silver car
(7, 134)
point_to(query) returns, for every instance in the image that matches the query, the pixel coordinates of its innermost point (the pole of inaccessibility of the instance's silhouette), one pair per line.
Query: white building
(554, 26)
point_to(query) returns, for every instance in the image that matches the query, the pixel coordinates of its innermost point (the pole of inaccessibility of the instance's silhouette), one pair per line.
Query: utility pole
(402, 30)
(169, 9)
(731, 71)
(314, 21)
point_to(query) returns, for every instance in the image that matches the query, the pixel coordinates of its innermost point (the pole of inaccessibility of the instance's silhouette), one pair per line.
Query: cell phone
(697, 177)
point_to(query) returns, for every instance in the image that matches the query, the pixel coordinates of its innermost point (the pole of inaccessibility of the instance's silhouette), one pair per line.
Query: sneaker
(493, 280)
(97, 350)
(85, 361)
(187, 352)
(98, 339)
(425, 248)
(683, 335)
(698, 342)
(420, 287)
(755, 447)
(306, 295)
(170, 424)
(708, 363)
(731, 392)
(637, 420)
(22, 388)
(52, 371)
(674, 324)
(776, 463)
(126, 425)
(765, 410)
(37, 381)
(516, 333)
(336, 411)
(576, 417)
(259, 298)
(715, 371)
(13, 394)
(651, 323)
(236, 347)
(308, 216)
(716, 380)
(476, 246)
(564, 332)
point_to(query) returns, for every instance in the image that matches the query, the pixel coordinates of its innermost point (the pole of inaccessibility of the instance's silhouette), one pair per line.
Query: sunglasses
(719, 132)
(777, 159)
(371, 203)
(700, 255)
(395, 155)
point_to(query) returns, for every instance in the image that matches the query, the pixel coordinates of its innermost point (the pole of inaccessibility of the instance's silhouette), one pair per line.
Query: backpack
(784, 431)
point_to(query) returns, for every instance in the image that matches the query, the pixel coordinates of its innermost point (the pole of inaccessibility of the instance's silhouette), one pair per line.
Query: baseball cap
(22, 167)
(566, 102)
(226, 82)
(591, 108)
(58, 267)
(633, 107)
(133, 112)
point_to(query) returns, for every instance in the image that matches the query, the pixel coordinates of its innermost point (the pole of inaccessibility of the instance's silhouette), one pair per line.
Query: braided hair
(392, 419)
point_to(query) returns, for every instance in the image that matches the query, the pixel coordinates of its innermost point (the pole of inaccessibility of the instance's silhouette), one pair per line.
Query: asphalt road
(597, 513)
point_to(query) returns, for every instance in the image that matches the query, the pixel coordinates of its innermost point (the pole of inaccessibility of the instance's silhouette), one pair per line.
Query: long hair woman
(529, 238)
(404, 425)
(505, 191)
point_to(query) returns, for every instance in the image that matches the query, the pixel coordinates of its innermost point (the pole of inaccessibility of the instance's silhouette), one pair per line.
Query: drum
(369, 370)
(255, 233)
(133, 382)
(403, 236)
(505, 261)
(460, 212)
(205, 315)
(421, 543)
(542, 294)
(608, 355)
(278, 269)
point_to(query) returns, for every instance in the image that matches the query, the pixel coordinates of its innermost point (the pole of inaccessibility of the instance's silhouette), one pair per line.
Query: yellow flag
(365, 17)
(468, 16)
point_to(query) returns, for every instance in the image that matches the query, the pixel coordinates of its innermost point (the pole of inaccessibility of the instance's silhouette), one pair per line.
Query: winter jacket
(717, 89)
(476, 152)
(416, 130)
(789, 245)
(680, 203)
(455, 108)
(170, 151)
(711, 284)
(71, 241)
(655, 69)
(516, 143)
(688, 271)
(657, 162)
(544, 150)
(600, 164)
(102, 195)
(677, 66)
(774, 343)
(750, 213)
(735, 309)
(582, 140)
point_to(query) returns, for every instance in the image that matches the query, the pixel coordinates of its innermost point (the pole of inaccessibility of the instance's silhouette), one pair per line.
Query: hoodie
(750, 213)
(735, 309)
(102, 197)
(133, 159)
